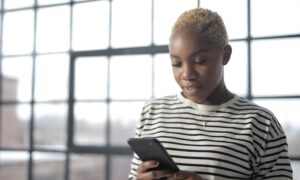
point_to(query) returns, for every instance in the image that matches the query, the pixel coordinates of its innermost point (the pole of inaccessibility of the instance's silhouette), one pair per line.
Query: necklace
(204, 123)
(228, 97)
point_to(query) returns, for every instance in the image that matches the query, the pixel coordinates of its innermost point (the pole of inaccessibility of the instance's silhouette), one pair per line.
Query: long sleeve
(241, 140)
(275, 163)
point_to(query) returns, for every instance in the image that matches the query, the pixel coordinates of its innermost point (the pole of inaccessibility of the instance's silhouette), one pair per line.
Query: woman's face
(197, 65)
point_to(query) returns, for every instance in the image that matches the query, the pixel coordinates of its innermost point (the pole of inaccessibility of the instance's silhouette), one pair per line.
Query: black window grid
(152, 49)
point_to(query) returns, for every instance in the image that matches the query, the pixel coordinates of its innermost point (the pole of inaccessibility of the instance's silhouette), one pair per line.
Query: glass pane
(130, 77)
(13, 165)
(123, 117)
(90, 123)
(47, 2)
(50, 126)
(89, 167)
(14, 129)
(236, 71)
(51, 78)
(91, 25)
(17, 78)
(267, 21)
(164, 82)
(165, 14)
(233, 13)
(12, 4)
(122, 164)
(53, 29)
(48, 166)
(296, 169)
(91, 78)
(14, 40)
(276, 67)
(131, 23)
(287, 113)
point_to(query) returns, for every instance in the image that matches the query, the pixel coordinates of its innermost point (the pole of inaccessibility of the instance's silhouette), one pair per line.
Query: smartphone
(152, 149)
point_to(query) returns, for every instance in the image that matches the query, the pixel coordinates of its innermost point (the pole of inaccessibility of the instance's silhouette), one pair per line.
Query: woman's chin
(195, 97)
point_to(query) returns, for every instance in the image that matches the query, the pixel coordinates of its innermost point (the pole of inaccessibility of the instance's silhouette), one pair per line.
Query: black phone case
(151, 149)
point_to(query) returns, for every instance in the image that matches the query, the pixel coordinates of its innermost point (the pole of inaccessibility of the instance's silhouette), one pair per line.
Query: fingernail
(170, 175)
(174, 175)
(155, 163)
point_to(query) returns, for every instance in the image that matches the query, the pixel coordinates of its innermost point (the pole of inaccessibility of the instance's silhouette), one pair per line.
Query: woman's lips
(190, 90)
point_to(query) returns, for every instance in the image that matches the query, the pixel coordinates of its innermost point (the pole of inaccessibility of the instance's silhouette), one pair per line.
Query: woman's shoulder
(244, 104)
(253, 109)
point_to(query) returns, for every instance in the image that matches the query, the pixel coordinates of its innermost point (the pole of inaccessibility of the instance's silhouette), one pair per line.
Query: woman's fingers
(146, 165)
(156, 174)
(186, 175)
(144, 171)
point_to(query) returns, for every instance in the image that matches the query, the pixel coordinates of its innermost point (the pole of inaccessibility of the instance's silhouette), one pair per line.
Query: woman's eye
(175, 64)
(199, 61)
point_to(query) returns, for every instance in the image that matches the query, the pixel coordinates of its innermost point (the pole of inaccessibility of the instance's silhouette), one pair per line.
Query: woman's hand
(185, 175)
(144, 172)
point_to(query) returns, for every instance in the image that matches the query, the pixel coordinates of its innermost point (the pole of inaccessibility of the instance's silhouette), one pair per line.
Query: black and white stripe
(240, 141)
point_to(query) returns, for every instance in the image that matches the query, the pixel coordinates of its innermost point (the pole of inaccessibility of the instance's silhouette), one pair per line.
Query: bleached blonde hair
(203, 21)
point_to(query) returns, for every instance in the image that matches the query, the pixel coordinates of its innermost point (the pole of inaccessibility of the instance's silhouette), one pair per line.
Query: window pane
(276, 67)
(53, 29)
(91, 25)
(50, 126)
(287, 112)
(122, 164)
(165, 14)
(14, 40)
(123, 116)
(90, 123)
(164, 82)
(278, 17)
(13, 165)
(89, 167)
(236, 71)
(48, 166)
(91, 78)
(233, 13)
(14, 129)
(130, 77)
(296, 169)
(51, 78)
(17, 75)
(12, 4)
(47, 2)
(131, 23)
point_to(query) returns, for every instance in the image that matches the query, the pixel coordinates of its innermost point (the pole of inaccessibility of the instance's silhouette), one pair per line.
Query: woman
(209, 132)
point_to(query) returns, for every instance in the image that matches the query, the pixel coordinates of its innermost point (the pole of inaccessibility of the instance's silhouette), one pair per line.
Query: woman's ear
(227, 54)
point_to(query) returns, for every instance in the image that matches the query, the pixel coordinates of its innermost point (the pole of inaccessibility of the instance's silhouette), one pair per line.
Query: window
(76, 73)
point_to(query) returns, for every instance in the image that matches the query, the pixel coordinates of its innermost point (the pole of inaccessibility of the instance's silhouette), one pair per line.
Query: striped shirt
(234, 140)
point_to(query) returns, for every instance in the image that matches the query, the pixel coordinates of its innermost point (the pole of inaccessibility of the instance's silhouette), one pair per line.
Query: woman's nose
(188, 72)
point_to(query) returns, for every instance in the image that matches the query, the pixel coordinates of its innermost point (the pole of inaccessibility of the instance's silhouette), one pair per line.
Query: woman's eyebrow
(174, 56)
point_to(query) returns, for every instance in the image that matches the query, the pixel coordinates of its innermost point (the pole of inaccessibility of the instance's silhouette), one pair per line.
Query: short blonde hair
(203, 21)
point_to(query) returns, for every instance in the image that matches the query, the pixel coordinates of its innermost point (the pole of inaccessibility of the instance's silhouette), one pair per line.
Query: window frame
(152, 49)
